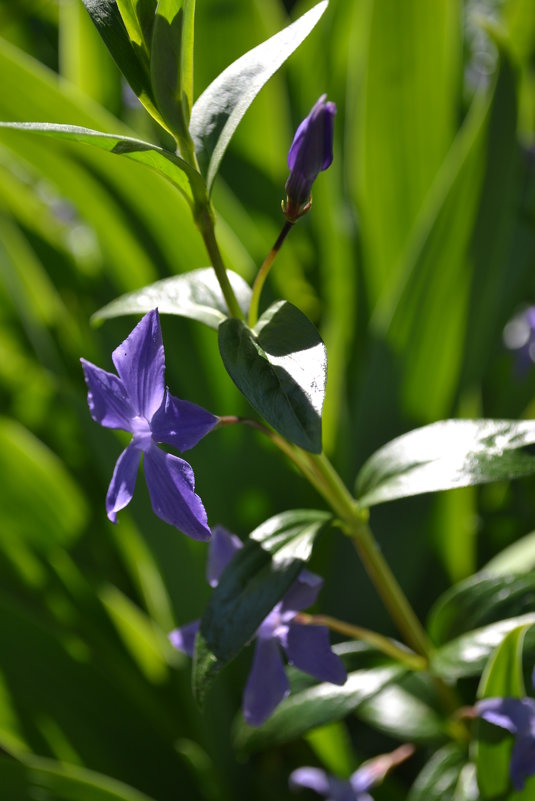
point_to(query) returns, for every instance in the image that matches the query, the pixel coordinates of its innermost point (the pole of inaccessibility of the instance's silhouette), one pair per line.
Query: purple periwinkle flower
(356, 787)
(310, 153)
(519, 337)
(306, 647)
(516, 715)
(137, 400)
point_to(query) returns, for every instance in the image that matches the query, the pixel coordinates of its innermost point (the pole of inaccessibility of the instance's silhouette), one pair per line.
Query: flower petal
(316, 779)
(267, 684)
(140, 362)
(522, 761)
(309, 649)
(107, 398)
(301, 594)
(171, 488)
(123, 481)
(183, 639)
(223, 546)
(517, 715)
(181, 423)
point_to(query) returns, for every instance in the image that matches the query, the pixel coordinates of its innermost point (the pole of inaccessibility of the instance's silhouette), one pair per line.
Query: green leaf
(517, 558)
(163, 161)
(438, 779)
(138, 18)
(44, 778)
(315, 706)
(252, 584)
(503, 677)
(196, 295)
(127, 53)
(166, 64)
(39, 500)
(405, 709)
(218, 111)
(446, 455)
(479, 601)
(281, 368)
(467, 655)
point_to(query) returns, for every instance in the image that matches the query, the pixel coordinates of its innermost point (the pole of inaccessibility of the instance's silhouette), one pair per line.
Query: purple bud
(310, 153)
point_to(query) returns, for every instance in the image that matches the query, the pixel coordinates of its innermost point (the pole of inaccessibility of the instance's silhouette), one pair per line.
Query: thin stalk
(354, 521)
(264, 271)
(379, 642)
(205, 220)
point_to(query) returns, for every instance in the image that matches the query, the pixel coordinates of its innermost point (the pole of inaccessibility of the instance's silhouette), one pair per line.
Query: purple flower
(519, 336)
(310, 153)
(516, 715)
(356, 787)
(307, 647)
(138, 401)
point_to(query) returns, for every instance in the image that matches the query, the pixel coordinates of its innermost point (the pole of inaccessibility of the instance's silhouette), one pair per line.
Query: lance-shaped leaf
(445, 455)
(127, 53)
(163, 161)
(218, 111)
(308, 707)
(255, 580)
(281, 368)
(479, 601)
(171, 62)
(467, 655)
(138, 18)
(196, 295)
(503, 678)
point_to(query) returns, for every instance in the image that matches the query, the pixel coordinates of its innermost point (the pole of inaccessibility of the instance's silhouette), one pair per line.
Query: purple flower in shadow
(356, 787)
(137, 400)
(310, 153)
(516, 715)
(519, 337)
(306, 647)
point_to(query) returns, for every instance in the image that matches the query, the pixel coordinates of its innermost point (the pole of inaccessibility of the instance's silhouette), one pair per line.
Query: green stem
(379, 642)
(354, 521)
(263, 273)
(205, 220)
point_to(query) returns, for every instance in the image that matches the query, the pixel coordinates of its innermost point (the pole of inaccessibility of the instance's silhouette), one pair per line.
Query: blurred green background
(419, 248)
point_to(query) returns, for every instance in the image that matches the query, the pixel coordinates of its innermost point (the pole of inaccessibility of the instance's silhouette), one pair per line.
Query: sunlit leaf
(196, 294)
(163, 161)
(281, 368)
(445, 455)
(218, 111)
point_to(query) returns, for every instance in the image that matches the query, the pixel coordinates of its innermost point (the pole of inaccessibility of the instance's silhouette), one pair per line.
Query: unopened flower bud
(310, 153)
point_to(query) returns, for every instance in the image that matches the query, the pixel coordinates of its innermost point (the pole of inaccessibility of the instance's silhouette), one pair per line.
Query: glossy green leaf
(138, 18)
(256, 579)
(467, 655)
(163, 161)
(54, 511)
(503, 677)
(517, 558)
(446, 455)
(109, 23)
(314, 706)
(406, 710)
(196, 295)
(281, 368)
(218, 111)
(43, 778)
(438, 779)
(479, 601)
(166, 64)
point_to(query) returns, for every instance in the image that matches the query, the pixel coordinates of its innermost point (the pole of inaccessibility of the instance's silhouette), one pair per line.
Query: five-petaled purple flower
(307, 647)
(516, 715)
(310, 153)
(138, 401)
(356, 787)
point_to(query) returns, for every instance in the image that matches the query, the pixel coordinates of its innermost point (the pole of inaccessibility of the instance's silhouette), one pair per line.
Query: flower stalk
(263, 273)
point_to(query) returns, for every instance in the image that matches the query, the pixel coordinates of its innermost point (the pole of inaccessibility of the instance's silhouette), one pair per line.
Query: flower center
(142, 432)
